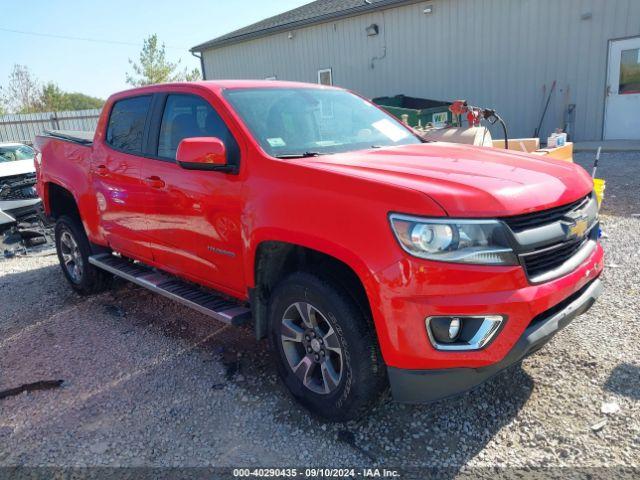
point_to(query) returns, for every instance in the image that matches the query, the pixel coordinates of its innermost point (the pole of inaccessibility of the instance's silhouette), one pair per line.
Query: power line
(81, 39)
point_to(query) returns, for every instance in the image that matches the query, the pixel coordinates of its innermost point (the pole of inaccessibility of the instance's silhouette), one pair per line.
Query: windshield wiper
(300, 155)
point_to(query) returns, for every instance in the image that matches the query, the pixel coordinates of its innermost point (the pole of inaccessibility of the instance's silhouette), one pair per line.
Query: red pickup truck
(368, 256)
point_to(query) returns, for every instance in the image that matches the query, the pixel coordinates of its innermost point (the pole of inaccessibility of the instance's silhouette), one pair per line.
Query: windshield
(15, 152)
(290, 122)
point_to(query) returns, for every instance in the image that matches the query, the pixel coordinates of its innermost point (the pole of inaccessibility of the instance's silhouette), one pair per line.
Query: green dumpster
(419, 111)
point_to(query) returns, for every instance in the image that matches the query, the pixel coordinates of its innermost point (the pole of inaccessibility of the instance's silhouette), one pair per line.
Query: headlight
(448, 240)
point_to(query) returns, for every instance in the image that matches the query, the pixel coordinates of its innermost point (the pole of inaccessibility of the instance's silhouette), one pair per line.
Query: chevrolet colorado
(366, 255)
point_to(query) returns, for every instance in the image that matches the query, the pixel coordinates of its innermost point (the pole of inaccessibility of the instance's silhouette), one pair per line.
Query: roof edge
(351, 12)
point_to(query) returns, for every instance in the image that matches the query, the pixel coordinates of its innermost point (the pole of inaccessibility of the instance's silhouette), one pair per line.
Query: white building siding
(494, 53)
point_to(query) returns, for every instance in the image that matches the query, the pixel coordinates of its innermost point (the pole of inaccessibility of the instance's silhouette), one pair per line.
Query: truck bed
(75, 136)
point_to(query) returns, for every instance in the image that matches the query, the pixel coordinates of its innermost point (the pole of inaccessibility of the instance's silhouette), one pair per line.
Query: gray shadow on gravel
(29, 279)
(623, 380)
(446, 434)
(29, 296)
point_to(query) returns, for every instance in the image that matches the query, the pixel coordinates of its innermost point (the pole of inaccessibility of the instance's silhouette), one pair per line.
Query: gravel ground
(150, 383)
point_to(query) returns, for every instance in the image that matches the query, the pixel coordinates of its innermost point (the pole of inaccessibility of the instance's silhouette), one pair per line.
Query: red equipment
(473, 114)
(476, 114)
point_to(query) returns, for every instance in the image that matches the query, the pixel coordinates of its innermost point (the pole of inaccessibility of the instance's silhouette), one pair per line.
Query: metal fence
(23, 127)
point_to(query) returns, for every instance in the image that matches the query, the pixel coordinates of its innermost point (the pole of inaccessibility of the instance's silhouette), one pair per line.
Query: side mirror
(202, 153)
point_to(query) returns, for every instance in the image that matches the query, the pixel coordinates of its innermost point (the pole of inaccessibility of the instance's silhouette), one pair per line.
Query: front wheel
(74, 249)
(326, 349)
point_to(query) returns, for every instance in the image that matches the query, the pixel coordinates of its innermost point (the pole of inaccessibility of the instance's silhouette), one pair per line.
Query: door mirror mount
(203, 153)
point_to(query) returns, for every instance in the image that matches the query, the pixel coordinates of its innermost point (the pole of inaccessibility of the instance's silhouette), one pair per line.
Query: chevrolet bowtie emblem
(578, 228)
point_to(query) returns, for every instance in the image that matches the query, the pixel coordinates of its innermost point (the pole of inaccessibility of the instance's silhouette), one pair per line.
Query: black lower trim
(425, 386)
(209, 167)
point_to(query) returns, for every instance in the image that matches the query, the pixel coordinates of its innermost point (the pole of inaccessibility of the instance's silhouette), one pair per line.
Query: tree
(80, 101)
(25, 95)
(153, 66)
(22, 94)
(52, 98)
(192, 76)
(2, 107)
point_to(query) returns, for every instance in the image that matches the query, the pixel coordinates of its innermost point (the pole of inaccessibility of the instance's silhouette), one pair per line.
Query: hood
(17, 167)
(468, 181)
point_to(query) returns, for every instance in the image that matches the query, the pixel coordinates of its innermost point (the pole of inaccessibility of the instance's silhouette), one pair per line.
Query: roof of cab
(218, 85)
(229, 84)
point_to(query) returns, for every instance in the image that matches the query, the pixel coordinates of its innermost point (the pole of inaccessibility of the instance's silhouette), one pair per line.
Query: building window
(630, 72)
(325, 77)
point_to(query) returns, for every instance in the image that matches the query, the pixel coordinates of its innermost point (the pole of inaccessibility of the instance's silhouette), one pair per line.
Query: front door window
(188, 116)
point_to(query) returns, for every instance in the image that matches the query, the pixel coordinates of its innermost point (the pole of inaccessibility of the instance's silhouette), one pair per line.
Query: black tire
(363, 375)
(87, 279)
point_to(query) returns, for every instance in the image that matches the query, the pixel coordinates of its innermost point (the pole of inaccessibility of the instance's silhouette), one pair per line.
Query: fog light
(462, 332)
(454, 328)
(445, 329)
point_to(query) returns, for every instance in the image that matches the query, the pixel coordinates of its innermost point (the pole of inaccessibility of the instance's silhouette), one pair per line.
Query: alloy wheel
(312, 348)
(71, 256)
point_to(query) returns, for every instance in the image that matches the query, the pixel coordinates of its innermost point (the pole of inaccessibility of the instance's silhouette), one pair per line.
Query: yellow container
(599, 187)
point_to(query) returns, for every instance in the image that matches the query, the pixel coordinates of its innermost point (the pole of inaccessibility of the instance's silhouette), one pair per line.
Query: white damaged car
(21, 220)
(16, 159)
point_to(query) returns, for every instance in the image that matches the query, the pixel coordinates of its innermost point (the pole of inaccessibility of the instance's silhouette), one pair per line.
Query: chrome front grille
(527, 221)
(542, 261)
(554, 242)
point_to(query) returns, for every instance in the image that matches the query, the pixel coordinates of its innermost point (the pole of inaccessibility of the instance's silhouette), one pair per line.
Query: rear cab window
(125, 130)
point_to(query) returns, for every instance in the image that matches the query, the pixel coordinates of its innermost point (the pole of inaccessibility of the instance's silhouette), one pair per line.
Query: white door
(622, 112)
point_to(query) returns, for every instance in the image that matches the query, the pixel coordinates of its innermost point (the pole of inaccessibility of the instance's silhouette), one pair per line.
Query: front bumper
(405, 293)
(424, 386)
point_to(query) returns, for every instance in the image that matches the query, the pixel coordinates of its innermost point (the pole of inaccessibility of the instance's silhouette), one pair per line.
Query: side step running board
(216, 306)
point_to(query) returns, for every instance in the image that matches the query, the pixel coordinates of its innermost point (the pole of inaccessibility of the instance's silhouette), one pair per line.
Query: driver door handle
(102, 170)
(154, 182)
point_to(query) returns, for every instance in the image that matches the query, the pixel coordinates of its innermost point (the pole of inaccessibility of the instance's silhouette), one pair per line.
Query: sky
(98, 68)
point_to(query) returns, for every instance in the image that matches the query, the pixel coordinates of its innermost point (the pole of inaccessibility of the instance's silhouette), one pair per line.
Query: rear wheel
(74, 249)
(326, 349)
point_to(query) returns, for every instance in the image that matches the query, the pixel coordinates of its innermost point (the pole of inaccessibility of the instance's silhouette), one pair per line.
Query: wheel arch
(60, 201)
(276, 259)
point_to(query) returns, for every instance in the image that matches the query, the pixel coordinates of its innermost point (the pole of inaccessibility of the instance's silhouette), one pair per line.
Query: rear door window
(188, 116)
(126, 124)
